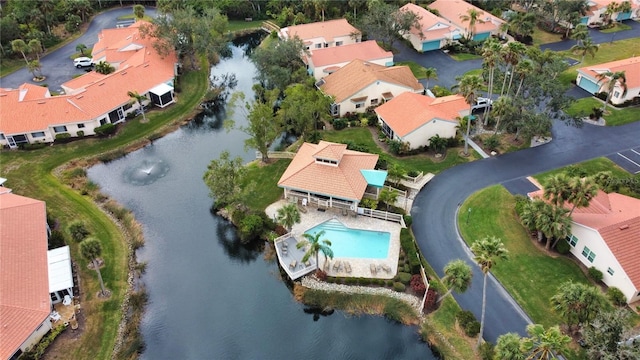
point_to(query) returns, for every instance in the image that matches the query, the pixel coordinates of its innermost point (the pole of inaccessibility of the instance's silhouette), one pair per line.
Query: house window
(359, 105)
(80, 126)
(616, 94)
(326, 45)
(610, 271)
(38, 134)
(572, 240)
(374, 101)
(2, 137)
(335, 109)
(318, 46)
(590, 255)
(59, 129)
(338, 43)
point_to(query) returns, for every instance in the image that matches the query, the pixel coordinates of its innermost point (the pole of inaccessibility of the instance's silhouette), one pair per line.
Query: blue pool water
(353, 243)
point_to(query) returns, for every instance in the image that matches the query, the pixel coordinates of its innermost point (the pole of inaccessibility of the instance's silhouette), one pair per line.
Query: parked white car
(482, 103)
(82, 62)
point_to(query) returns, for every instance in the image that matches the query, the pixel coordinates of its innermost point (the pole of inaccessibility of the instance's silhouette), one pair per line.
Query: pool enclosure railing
(382, 215)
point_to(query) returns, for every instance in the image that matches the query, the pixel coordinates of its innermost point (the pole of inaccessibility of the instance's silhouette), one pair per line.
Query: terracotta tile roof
(367, 50)
(453, 9)
(630, 66)
(24, 282)
(90, 96)
(32, 92)
(328, 30)
(617, 218)
(409, 111)
(431, 25)
(343, 181)
(359, 74)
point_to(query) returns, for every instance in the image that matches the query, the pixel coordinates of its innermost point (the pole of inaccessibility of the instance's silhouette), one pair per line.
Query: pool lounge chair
(373, 269)
(293, 265)
(386, 268)
(347, 267)
(336, 265)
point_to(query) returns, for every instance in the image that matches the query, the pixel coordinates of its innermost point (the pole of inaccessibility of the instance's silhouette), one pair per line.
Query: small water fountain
(146, 172)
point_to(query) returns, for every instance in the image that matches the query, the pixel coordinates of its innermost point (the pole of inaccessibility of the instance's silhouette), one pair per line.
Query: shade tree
(223, 178)
(457, 277)
(386, 22)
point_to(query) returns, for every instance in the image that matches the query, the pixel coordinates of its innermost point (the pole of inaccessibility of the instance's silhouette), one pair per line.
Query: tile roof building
(324, 34)
(434, 31)
(323, 62)
(328, 173)
(361, 84)
(25, 304)
(588, 79)
(30, 114)
(596, 14)
(452, 10)
(415, 118)
(606, 235)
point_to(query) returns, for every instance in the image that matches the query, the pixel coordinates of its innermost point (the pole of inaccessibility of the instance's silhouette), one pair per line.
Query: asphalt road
(57, 66)
(598, 37)
(434, 209)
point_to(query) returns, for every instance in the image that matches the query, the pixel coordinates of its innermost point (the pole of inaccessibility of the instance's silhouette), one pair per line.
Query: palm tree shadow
(318, 312)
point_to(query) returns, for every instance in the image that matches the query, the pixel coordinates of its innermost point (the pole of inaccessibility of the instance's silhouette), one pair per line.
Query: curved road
(57, 65)
(434, 209)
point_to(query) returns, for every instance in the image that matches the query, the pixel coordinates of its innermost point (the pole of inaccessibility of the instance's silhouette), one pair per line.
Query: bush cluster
(409, 248)
(468, 323)
(417, 285)
(56, 239)
(63, 136)
(399, 287)
(563, 247)
(616, 296)
(339, 124)
(105, 130)
(78, 231)
(595, 274)
(403, 277)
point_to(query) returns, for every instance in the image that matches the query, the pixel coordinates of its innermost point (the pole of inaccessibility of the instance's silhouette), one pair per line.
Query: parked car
(482, 103)
(82, 62)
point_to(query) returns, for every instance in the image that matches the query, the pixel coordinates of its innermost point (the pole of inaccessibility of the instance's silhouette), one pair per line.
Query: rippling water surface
(211, 298)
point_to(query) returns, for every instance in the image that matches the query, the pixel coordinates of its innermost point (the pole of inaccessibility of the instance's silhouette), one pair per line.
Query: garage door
(624, 16)
(431, 45)
(588, 85)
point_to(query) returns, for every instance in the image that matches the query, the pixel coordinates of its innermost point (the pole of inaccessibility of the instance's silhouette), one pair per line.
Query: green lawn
(530, 275)
(235, 25)
(7, 66)
(266, 190)
(543, 37)
(464, 56)
(614, 116)
(30, 173)
(617, 27)
(416, 69)
(590, 167)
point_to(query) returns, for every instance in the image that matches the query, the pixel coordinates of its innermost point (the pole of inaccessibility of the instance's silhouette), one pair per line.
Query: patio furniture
(293, 264)
(372, 268)
(386, 268)
(54, 316)
(347, 267)
(307, 263)
(67, 300)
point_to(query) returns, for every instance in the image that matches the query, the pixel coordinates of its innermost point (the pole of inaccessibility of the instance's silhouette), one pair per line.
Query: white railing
(414, 179)
(382, 215)
(400, 192)
(277, 155)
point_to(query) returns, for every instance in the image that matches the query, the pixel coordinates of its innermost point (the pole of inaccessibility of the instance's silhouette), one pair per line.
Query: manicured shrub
(417, 285)
(399, 287)
(34, 146)
(339, 124)
(251, 228)
(78, 231)
(80, 134)
(563, 247)
(472, 329)
(105, 130)
(56, 239)
(616, 296)
(487, 351)
(406, 268)
(468, 323)
(521, 201)
(595, 274)
(403, 277)
(409, 248)
(408, 220)
(389, 283)
(63, 136)
(492, 142)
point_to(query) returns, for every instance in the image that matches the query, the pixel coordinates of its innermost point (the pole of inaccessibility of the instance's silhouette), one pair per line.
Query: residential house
(605, 235)
(415, 118)
(25, 304)
(323, 62)
(453, 10)
(434, 32)
(361, 84)
(323, 34)
(329, 175)
(30, 114)
(597, 12)
(588, 79)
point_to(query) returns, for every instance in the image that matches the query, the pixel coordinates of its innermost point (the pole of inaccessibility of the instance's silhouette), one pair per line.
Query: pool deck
(360, 267)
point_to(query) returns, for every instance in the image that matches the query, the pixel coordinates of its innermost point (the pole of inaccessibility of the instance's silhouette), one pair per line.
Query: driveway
(598, 37)
(57, 65)
(435, 208)
(448, 68)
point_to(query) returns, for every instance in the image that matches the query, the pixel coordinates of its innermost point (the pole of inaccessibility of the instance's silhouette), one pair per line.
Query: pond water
(210, 297)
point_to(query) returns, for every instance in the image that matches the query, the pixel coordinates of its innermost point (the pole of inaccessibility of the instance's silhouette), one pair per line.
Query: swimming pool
(353, 243)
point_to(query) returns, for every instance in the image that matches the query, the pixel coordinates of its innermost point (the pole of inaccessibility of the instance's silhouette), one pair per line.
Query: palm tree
(534, 216)
(557, 225)
(430, 73)
(578, 303)
(81, 48)
(580, 33)
(315, 246)
(137, 98)
(388, 197)
(524, 68)
(473, 17)
(508, 347)
(491, 54)
(35, 68)
(581, 192)
(585, 47)
(522, 24)
(469, 86)
(104, 68)
(614, 78)
(18, 45)
(35, 47)
(544, 344)
(511, 54)
(501, 108)
(288, 216)
(557, 189)
(457, 276)
(487, 251)
(91, 250)
(438, 144)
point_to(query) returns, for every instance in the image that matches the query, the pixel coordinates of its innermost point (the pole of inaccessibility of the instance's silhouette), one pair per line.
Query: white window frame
(588, 254)
(572, 240)
(37, 134)
(57, 130)
(610, 271)
(359, 105)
